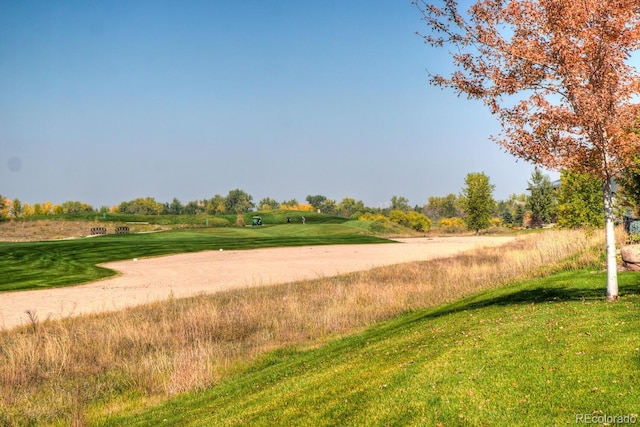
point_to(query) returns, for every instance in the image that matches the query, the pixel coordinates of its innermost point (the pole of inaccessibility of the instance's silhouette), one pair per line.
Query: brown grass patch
(56, 229)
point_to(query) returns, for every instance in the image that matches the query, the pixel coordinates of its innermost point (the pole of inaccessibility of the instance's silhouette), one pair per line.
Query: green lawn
(33, 265)
(535, 353)
(269, 217)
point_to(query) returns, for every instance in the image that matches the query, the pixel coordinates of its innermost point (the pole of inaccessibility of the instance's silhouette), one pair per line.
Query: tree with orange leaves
(557, 75)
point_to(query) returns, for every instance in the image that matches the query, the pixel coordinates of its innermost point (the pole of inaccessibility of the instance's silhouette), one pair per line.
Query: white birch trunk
(612, 265)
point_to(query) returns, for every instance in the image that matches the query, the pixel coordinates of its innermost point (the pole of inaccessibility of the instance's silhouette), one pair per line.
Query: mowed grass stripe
(32, 265)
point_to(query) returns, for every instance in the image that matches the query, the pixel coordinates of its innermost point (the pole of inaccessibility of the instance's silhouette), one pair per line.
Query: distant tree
(290, 205)
(348, 207)
(5, 207)
(306, 207)
(174, 208)
(16, 208)
(76, 207)
(316, 201)
(268, 204)
(37, 209)
(513, 207)
(443, 207)
(140, 206)
(517, 199)
(27, 210)
(47, 208)
(518, 216)
(542, 199)
(238, 201)
(216, 205)
(194, 207)
(400, 203)
(505, 213)
(579, 200)
(477, 201)
(329, 206)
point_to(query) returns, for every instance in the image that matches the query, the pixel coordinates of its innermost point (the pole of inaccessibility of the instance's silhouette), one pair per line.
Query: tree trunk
(612, 267)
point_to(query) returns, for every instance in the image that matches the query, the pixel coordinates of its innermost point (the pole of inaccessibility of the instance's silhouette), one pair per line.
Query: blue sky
(104, 102)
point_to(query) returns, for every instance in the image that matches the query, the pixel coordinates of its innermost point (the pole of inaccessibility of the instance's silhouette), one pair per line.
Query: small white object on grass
(220, 249)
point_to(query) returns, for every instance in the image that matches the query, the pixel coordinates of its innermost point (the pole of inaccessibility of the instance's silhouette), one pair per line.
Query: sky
(104, 102)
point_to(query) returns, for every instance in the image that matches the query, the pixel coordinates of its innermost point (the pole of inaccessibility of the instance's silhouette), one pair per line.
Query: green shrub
(382, 225)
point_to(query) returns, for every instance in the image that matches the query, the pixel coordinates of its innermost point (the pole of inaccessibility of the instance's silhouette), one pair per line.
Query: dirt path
(151, 279)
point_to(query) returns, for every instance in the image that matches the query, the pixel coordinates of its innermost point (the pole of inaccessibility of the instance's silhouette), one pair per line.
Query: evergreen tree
(518, 217)
(629, 190)
(542, 199)
(175, 207)
(504, 210)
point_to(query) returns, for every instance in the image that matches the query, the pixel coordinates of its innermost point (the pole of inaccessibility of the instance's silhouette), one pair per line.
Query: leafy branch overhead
(556, 73)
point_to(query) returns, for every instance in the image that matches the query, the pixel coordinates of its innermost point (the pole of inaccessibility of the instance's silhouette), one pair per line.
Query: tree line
(574, 201)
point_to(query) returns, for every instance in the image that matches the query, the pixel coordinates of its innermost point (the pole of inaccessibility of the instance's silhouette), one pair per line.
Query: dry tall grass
(56, 370)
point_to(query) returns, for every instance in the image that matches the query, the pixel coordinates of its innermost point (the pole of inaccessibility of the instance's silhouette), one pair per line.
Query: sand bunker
(152, 279)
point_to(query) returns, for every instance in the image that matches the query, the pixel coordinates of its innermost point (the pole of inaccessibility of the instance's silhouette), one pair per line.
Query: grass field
(190, 221)
(33, 265)
(541, 352)
(301, 353)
